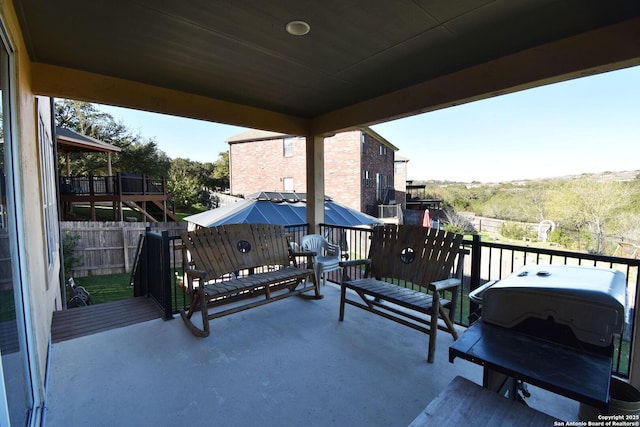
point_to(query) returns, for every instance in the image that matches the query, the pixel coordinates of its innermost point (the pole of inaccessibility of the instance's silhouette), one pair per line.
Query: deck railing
(114, 185)
(486, 261)
(153, 267)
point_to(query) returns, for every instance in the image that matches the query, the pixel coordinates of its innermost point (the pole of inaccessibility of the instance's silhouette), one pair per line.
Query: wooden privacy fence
(110, 247)
(492, 225)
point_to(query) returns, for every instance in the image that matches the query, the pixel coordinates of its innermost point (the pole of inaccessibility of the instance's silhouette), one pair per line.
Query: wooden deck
(81, 321)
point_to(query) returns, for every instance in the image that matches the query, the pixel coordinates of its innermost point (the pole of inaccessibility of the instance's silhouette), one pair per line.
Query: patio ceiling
(363, 62)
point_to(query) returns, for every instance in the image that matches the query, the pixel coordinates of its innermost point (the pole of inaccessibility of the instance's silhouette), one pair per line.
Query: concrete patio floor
(291, 363)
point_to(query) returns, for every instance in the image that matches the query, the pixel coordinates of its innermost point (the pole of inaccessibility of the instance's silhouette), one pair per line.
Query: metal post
(474, 274)
(166, 276)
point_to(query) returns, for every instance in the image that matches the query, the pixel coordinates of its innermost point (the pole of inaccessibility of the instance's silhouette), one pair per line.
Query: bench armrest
(354, 262)
(296, 254)
(303, 253)
(442, 285)
(201, 275)
(192, 274)
(198, 274)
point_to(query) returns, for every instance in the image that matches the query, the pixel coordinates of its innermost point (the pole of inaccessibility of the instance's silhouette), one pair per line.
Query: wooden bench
(464, 403)
(408, 269)
(233, 263)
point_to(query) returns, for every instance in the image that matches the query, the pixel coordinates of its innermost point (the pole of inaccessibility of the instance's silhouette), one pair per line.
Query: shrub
(576, 240)
(453, 229)
(456, 223)
(70, 259)
(512, 230)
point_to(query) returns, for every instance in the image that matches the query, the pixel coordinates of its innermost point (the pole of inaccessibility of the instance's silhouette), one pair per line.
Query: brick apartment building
(358, 166)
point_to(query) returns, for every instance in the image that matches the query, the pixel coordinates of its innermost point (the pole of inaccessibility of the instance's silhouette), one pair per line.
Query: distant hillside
(595, 210)
(620, 176)
(602, 176)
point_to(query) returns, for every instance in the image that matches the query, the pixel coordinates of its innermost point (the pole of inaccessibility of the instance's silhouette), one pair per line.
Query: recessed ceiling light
(298, 28)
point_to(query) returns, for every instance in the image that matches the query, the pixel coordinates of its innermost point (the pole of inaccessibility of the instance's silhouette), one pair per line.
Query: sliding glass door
(16, 390)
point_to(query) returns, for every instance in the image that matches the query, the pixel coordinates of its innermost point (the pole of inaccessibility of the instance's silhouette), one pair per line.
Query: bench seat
(269, 280)
(404, 297)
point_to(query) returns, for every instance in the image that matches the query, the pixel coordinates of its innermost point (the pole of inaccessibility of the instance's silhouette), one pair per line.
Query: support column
(67, 159)
(315, 182)
(109, 170)
(109, 177)
(68, 206)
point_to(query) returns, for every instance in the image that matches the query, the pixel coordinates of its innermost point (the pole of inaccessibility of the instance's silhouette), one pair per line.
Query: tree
(137, 155)
(592, 211)
(534, 203)
(184, 182)
(185, 178)
(142, 157)
(586, 204)
(221, 169)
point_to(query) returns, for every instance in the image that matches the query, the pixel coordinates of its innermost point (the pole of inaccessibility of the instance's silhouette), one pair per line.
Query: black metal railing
(162, 277)
(295, 233)
(115, 185)
(153, 269)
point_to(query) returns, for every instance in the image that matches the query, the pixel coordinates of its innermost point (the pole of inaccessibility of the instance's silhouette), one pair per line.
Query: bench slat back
(413, 253)
(229, 248)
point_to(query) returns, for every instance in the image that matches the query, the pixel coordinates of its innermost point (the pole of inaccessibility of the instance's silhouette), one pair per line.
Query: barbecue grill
(551, 326)
(577, 306)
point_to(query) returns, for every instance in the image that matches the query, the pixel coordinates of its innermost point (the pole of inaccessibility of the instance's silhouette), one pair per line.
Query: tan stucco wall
(42, 284)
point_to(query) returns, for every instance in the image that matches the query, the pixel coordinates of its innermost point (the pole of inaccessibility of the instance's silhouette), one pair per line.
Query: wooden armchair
(407, 270)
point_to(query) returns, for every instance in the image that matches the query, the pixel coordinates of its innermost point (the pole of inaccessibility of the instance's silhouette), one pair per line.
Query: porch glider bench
(408, 270)
(243, 266)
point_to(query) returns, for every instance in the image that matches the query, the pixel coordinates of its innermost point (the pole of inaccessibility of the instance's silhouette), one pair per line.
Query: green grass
(105, 213)
(190, 211)
(112, 287)
(115, 287)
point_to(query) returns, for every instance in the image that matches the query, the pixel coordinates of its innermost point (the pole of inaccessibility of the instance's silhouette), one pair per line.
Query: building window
(287, 185)
(366, 179)
(383, 150)
(398, 167)
(49, 198)
(363, 139)
(287, 147)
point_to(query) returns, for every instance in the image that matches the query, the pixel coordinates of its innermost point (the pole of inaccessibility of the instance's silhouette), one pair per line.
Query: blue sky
(580, 126)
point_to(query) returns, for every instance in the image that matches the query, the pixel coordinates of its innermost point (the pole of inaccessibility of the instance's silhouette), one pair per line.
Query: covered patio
(285, 364)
